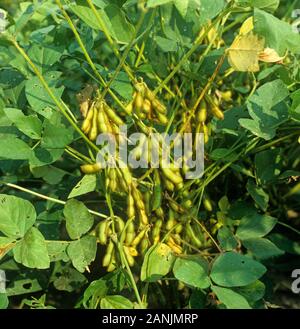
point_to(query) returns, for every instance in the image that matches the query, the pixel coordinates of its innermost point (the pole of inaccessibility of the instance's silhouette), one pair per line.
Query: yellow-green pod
(169, 185)
(101, 121)
(143, 217)
(108, 254)
(112, 115)
(202, 113)
(145, 243)
(179, 228)
(137, 240)
(158, 107)
(120, 224)
(171, 222)
(172, 176)
(159, 212)
(149, 95)
(127, 175)
(191, 234)
(187, 204)
(86, 126)
(112, 265)
(207, 204)
(217, 112)
(156, 230)
(138, 102)
(130, 207)
(91, 168)
(93, 133)
(162, 118)
(128, 256)
(102, 230)
(147, 107)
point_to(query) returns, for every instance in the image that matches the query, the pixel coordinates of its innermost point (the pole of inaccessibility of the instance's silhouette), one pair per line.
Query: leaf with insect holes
(85, 185)
(78, 218)
(233, 270)
(82, 252)
(16, 216)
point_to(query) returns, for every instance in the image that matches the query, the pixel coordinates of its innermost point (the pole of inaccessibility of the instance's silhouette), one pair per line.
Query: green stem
(87, 56)
(289, 227)
(45, 197)
(111, 41)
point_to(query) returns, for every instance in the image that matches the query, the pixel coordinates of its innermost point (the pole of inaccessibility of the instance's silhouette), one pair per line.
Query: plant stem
(42, 196)
(87, 56)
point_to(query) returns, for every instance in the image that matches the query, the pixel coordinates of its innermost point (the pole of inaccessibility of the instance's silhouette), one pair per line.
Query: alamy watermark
(2, 282)
(296, 283)
(3, 21)
(156, 150)
(296, 22)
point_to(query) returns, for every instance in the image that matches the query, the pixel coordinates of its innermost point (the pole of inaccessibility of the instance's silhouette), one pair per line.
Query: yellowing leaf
(243, 55)
(270, 55)
(247, 26)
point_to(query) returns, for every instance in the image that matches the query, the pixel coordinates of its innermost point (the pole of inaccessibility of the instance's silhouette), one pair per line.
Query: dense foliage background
(244, 211)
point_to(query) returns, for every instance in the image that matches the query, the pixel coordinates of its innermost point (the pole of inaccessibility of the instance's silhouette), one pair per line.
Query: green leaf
(82, 252)
(262, 248)
(25, 286)
(56, 136)
(78, 218)
(226, 238)
(258, 195)
(94, 293)
(113, 17)
(255, 226)
(295, 108)
(32, 251)
(43, 57)
(253, 292)
(68, 279)
(16, 216)
(192, 270)
(267, 109)
(233, 270)
(57, 251)
(268, 165)
(13, 148)
(38, 97)
(155, 3)
(282, 242)
(29, 125)
(230, 298)
(157, 262)
(116, 302)
(197, 299)
(50, 174)
(3, 301)
(268, 5)
(277, 33)
(85, 185)
(122, 85)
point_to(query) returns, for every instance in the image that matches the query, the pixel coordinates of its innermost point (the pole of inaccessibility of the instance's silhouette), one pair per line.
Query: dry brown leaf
(270, 55)
(83, 98)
